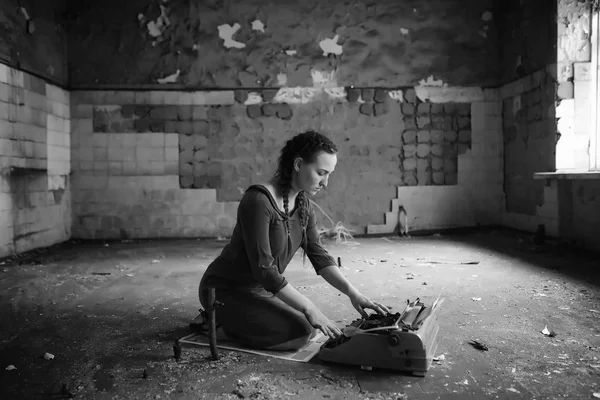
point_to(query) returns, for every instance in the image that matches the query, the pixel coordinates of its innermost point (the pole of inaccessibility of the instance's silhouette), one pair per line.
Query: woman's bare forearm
(335, 278)
(290, 296)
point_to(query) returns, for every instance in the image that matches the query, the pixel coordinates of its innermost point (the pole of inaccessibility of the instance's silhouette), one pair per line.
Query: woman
(260, 309)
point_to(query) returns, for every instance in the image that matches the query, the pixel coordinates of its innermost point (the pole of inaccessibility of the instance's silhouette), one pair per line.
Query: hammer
(213, 304)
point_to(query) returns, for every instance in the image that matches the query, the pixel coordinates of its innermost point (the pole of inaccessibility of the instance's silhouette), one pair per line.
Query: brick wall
(35, 199)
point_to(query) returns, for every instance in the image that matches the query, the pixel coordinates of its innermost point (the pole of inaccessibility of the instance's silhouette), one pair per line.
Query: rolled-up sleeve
(318, 256)
(254, 216)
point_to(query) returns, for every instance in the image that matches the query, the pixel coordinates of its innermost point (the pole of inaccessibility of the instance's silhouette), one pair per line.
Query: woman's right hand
(318, 320)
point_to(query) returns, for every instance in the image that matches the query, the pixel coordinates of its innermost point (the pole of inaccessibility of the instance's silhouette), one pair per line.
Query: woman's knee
(302, 335)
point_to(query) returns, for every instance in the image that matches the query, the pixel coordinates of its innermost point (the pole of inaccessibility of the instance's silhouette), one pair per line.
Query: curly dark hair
(306, 146)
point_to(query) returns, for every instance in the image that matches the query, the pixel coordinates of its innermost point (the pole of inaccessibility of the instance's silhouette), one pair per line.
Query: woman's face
(312, 177)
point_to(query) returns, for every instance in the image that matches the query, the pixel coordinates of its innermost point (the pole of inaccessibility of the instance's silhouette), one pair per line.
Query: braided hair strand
(306, 146)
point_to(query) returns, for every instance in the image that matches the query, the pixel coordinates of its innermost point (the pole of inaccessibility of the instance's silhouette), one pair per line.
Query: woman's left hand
(361, 302)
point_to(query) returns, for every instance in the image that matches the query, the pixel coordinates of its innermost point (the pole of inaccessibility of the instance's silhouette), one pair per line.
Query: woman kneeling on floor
(260, 309)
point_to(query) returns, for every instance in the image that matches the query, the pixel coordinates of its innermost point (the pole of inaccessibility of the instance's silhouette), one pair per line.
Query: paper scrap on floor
(304, 354)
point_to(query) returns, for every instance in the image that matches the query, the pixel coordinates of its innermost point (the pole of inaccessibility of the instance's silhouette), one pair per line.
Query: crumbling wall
(528, 50)
(529, 125)
(33, 37)
(527, 37)
(212, 145)
(35, 190)
(575, 85)
(546, 117)
(267, 43)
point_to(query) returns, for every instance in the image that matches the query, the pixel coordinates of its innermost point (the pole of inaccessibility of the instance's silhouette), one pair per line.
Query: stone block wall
(529, 118)
(473, 191)
(35, 199)
(530, 134)
(126, 168)
(208, 147)
(434, 135)
(566, 206)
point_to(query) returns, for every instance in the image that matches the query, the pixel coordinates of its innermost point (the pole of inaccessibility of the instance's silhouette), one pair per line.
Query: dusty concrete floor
(109, 311)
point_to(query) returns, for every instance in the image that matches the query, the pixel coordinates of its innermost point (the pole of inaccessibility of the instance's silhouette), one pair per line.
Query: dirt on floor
(97, 320)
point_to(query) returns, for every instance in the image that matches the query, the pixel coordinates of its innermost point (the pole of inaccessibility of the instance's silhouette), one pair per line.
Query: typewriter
(404, 341)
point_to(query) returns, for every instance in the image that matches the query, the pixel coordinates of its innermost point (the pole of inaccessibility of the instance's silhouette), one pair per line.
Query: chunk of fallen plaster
(330, 46)
(291, 52)
(547, 332)
(11, 368)
(49, 356)
(226, 33)
(257, 25)
(404, 31)
(253, 98)
(170, 78)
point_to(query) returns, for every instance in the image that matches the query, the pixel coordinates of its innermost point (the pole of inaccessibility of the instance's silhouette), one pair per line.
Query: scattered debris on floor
(84, 313)
(449, 262)
(478, 345)
(547, 332)
(440, 358)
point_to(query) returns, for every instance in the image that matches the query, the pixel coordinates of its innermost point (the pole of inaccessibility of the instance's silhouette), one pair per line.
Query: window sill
(568, 174)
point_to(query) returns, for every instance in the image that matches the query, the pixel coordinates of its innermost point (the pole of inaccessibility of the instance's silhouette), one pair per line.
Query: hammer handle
(212, 324)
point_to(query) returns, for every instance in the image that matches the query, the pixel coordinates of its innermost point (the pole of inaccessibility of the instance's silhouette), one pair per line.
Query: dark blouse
(260, 249)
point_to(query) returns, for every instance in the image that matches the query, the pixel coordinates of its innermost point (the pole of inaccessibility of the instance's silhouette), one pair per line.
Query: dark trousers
(257, 319)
